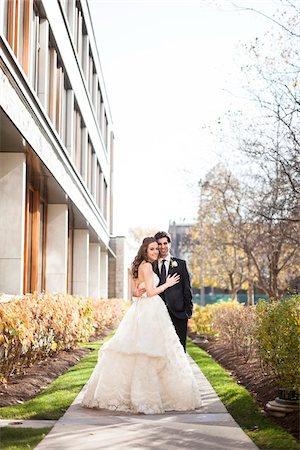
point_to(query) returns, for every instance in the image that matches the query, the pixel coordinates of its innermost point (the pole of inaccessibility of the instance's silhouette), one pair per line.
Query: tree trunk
(250, 284)
(250, 292)
(234, 295)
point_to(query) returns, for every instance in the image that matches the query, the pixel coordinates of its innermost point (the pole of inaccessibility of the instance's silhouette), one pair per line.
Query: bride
(143, 367)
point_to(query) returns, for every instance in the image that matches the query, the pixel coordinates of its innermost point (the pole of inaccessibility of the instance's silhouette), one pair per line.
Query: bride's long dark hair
(141, 255)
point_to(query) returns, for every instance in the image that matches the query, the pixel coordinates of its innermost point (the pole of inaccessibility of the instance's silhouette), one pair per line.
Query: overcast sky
(171, 68)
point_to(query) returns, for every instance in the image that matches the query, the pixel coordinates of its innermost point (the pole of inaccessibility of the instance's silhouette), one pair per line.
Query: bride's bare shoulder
(145, 267)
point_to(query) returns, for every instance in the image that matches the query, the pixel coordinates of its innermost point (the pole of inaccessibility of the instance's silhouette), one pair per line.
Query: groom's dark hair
(163, 234)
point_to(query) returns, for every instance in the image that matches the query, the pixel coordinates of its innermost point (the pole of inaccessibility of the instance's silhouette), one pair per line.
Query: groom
(177, 298)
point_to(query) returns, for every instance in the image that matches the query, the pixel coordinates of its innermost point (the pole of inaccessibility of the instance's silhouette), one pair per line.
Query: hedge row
(35, 326)
(269, 331)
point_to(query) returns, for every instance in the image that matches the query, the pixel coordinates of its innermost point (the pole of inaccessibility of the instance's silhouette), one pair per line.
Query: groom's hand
(138, 292)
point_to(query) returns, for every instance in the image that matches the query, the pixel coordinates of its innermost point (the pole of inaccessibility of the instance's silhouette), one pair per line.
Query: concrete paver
(209, 428)
(20, 423)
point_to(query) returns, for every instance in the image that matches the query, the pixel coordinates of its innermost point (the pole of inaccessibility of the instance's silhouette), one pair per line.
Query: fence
(217, 298)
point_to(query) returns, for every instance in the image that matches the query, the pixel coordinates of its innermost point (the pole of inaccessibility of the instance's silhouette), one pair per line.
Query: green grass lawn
(58, 396)
(49, 404)
(53, 401)
(241, 405)
(21, 438)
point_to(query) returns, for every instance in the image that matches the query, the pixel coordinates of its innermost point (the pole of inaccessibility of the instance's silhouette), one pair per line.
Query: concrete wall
(57, 248)
(12, 220)
(118, 268)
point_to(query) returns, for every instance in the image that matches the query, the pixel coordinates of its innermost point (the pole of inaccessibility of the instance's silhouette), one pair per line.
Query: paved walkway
(209, 428)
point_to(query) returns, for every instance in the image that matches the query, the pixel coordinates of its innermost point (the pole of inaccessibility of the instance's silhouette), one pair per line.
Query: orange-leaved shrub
(235, 324)
(107, 313)
(231, 321)
(35, 326)
(201, 321)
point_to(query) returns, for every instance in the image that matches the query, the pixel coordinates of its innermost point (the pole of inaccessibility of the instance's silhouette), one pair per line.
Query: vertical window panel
(105, 199)
(52, 84)
(58, 99)
(93, 174)
(11, 22)
(34, 50)
(28, 241)
(85, 56)
(99, 107)
(91, 72)
(42, 247)
(89, 166)
(16, 27)
(26, 34)
(79, 36)
(70, 122)
(63, 128)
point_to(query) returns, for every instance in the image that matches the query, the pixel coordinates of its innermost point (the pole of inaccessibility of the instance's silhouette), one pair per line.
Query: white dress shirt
(167, 263)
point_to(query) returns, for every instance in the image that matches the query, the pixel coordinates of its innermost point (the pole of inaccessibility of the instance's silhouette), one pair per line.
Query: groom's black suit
(178, 298)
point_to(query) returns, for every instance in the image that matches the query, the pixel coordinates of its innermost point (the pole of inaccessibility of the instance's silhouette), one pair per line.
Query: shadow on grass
(21, 438)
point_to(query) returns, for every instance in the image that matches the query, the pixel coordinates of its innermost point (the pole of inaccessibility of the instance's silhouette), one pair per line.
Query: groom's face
(164, 247)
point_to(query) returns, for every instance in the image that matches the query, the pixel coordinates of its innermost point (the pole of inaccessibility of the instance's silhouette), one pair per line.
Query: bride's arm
(147, 272)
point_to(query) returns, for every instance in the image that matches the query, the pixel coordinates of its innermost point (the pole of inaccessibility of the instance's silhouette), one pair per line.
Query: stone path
(209, 428)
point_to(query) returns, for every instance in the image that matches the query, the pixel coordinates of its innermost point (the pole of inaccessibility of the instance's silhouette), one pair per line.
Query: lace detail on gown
(143, 367)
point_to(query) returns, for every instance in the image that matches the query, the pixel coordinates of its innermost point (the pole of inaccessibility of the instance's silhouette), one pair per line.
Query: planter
(288, 394)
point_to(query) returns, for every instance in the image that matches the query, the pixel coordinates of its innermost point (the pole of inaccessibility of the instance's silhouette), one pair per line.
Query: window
(59, 84)
(93, 174)
(42, 248)
(63, 110)
(91, 73)
(35, 241)
(77, 138)
(70, 251)
(89, 166)
(105, 131)
(99, 188)
(34, 50)
(104, 199)
(52, 84)
(18, 30)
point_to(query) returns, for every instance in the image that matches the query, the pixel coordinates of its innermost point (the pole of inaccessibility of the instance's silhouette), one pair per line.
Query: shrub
(278, 339)
(235, 324)
(232, 322)
(202, 320)
(36, 325)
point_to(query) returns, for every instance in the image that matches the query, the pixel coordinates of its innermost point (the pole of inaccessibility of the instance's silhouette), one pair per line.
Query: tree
(224, 262)
(238, 245)
(272, 137)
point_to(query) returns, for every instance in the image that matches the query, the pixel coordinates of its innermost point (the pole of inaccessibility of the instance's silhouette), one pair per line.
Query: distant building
(119, 275)
(56, 151)
(181, 239)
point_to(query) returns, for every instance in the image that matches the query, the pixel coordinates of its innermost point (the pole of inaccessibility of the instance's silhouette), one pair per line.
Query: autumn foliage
(269, 331)
(35, 326)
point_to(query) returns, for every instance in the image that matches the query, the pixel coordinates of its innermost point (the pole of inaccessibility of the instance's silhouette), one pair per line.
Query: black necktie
(163, 274)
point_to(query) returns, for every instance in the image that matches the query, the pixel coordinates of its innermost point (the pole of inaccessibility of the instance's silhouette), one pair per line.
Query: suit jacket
(178, 298)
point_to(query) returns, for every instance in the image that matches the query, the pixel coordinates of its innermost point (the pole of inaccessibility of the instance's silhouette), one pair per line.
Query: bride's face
(152, 251)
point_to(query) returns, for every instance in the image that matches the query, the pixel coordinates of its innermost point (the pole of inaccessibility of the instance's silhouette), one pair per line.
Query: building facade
(56, 151)
(181, 235)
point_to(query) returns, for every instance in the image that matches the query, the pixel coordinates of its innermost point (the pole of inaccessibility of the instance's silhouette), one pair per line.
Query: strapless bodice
(155, 284)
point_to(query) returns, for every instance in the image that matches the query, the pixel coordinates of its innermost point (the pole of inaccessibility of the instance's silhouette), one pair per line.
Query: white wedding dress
(143, 367)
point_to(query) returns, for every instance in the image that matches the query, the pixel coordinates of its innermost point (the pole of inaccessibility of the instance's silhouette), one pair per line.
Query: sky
(171, 69)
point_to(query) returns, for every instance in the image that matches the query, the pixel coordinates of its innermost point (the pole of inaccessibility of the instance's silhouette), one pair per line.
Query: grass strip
(54, 400)
(21, 438)
(241, 405)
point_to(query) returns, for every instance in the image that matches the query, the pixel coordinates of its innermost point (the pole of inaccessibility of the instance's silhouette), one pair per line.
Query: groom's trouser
(180, 326)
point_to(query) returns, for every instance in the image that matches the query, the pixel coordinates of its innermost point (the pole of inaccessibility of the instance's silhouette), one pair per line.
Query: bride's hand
(171, 280)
